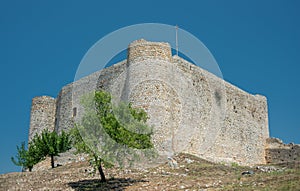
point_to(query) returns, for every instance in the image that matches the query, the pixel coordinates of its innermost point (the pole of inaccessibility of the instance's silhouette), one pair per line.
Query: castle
(191, 109)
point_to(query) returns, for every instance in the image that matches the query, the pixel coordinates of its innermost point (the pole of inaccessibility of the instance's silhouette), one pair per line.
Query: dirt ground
(192, 174)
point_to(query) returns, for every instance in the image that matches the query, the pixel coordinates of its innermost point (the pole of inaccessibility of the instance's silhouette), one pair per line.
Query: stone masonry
(191, 110)
(42, 117)
(278, 152)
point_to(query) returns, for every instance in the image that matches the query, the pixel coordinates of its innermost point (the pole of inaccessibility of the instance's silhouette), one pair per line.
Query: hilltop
(192, 174)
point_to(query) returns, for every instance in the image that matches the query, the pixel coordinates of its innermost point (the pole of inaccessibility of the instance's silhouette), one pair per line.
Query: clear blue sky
(256, 44)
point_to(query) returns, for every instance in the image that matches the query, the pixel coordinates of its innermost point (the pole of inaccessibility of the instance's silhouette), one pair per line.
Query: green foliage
(78, 142)
(51, 144)
(234, 164)
(110, 134)
(119, 133)
(26, 158)
(138, 114)
(46, 144)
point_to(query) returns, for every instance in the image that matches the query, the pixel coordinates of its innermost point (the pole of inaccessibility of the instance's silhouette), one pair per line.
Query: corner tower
(147, 83)
(42, 116)
(141, 50)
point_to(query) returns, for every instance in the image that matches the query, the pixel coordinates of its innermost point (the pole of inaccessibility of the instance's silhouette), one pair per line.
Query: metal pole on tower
(176, 28)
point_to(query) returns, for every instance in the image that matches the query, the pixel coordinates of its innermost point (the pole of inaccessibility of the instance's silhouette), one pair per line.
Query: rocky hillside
(191, 174)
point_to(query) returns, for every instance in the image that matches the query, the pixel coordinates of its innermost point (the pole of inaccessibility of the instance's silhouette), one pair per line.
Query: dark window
(74, 111)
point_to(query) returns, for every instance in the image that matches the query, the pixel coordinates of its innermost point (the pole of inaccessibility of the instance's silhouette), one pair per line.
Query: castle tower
(147, 84)
(42, 115)
(140, 50)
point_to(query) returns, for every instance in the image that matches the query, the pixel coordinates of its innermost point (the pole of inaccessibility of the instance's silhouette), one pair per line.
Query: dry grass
(196, 175)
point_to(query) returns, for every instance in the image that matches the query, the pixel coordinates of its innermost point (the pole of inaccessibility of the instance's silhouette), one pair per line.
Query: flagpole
(176, 28)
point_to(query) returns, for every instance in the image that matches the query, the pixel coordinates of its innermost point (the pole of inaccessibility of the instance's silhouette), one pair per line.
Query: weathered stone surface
(42, 116)
(278, 152)
(192, 110)
(140, 50)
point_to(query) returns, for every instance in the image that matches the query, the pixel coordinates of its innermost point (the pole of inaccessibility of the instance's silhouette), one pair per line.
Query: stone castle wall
(237, 124)
(64, 115)
(192, 110)
(69, 108)
(42, 116)
(278, 152)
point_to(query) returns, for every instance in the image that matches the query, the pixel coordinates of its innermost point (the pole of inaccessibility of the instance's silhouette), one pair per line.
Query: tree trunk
(30, 168)
(52, 161)
(103, 179)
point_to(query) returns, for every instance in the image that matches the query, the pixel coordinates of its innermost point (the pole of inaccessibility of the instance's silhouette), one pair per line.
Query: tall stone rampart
(237, 125)
(69, 108)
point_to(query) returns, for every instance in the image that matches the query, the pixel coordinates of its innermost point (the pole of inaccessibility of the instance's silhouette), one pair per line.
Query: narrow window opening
(74, 111)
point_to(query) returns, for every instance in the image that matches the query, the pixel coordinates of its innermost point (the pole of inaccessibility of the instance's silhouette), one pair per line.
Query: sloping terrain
(192, 174)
